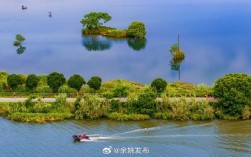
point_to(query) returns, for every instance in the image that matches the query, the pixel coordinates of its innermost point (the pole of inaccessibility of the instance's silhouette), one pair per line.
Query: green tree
(55, 80)
(76, 81)
(146, 103)
(136, 29)
(178, 57)
(31, 81)
(14, 81)
(159, 84)
(234, 93)
(95, 83)
(92, 20)
(20, 38)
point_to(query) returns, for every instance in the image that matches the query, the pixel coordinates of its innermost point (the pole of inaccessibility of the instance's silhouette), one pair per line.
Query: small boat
(79, 137)
(24, 7)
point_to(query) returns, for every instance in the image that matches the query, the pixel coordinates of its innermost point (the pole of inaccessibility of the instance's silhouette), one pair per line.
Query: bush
(95, 83)
(92, 108)
(32, 81)
(136, 29)
(146, 104)
(66, 89)
(76, 81)
(14, 80)
(55, 80)
(233, 91)
(159, 84)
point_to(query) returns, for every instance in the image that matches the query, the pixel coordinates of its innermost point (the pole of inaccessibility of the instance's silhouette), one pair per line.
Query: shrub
(136, 29)
(76, 81)
(159, 84)
(32, 81)
(92, 108)
(66, 89)
(55, 80)
(14, 80)
(95, 83)
(121, 92)
(233, 91)
(146, 104)
(246, 112)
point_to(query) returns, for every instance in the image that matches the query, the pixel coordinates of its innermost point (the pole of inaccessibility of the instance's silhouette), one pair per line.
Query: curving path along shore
(120, 99)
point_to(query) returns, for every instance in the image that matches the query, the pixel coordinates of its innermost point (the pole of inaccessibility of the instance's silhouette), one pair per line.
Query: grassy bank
(105, 31)
(92, 107)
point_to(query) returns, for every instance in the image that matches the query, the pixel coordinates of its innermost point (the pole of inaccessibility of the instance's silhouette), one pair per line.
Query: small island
(93, 26)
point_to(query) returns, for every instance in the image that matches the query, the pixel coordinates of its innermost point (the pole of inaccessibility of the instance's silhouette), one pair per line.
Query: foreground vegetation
(96, 99)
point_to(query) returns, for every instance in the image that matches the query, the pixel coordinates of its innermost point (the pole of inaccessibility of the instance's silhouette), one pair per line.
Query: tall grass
(183, 110)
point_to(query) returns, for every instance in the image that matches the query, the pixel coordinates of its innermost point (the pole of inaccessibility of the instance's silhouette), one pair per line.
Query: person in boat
(84, 135)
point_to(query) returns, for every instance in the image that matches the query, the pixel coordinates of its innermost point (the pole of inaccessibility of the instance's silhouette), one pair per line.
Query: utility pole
(179, 50)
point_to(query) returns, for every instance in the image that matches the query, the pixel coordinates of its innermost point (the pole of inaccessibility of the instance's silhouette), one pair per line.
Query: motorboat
(81, 137)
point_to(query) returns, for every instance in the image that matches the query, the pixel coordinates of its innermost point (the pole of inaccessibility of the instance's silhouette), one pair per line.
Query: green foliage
(44, 89)
(42, 107)
(32, 81)
(246, 112)
(136, 30)
(184, 110)
(55, 80)
(66, 89)
(234, 92)
(146, 104)
(39, 117)
(16, 43)
(121, 91)
(174, 48)
(95, 82)
(20, 38)
(14, 80)
(159, 84)
(92, 20)
(92, 108)
(76, 81)
(61, 98)
(123, 117)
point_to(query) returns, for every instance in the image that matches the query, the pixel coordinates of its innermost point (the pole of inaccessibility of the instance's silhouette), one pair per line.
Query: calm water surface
(215, 36)
(161, 138)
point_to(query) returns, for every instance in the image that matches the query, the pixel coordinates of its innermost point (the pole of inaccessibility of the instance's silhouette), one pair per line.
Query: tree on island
(178, 56)
(14, 81)
(76, 81)
(31, 81)
(136, 29)
(95, 83)
(92, 20)
(55, 80)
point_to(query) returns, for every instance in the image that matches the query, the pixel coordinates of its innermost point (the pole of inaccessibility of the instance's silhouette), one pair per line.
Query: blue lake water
(215, 37)
(159, 138)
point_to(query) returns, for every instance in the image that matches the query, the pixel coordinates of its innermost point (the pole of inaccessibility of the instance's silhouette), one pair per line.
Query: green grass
(125, 117)
(39, 117)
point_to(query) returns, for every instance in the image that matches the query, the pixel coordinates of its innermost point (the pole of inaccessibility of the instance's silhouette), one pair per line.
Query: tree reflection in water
(21, 49)
(96, 43)
(136, 44)
(100, 43)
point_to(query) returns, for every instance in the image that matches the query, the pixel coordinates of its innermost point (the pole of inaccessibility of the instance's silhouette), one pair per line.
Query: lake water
(215, 36)
(155, 137)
